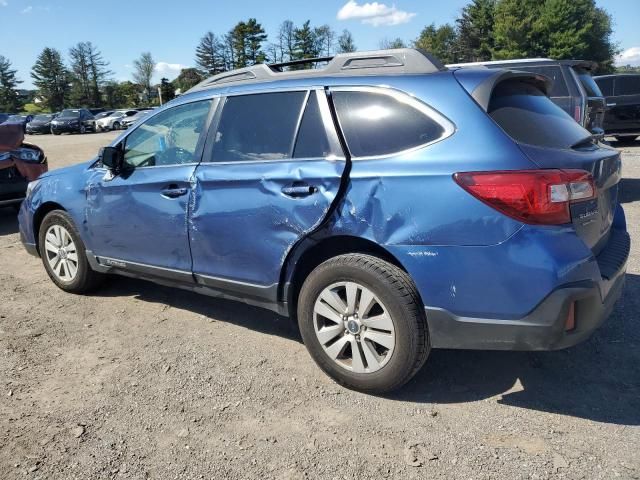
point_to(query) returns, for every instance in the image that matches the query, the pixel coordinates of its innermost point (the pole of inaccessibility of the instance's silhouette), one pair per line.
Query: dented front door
(274, 168)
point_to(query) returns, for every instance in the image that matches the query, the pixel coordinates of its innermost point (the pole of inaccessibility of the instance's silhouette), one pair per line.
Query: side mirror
(112, 158)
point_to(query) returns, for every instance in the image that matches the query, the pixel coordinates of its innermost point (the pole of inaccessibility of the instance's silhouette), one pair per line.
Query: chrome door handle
(174, 192)
(611, 104)
(299, 190)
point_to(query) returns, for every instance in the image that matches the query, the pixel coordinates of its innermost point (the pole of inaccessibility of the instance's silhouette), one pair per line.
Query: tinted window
(589, 85)
(258, 127)
(169, 138)
(376, 124)
(528, 116)
(312, 139)
(628, 85)
(606, 86)
(559, 88)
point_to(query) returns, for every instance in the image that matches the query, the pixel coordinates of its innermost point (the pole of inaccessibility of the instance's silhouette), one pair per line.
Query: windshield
(528, 116)
(70, 114)
(587, 81)
(42, 118)
(117, 114)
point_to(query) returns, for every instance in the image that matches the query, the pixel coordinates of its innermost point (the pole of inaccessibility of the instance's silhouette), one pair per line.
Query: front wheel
(363, 323)
(63, 254)
(116, 126)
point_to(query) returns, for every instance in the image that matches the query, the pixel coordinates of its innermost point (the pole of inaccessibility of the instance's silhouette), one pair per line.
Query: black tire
(398, 293)
(626, 140)
(85, 279)
(82, 129)
(115, 126)
(55, 133)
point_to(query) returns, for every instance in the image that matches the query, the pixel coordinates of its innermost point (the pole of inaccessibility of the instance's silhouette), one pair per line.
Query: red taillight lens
(531, 196)
(577, 114)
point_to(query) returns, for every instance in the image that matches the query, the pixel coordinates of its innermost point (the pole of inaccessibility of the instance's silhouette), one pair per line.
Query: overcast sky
(170, 30)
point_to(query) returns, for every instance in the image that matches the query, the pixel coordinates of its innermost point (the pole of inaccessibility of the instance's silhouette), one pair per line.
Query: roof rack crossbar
(279, 66)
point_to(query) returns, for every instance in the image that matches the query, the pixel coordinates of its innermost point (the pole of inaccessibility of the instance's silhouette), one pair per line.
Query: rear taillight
(531, 196)
(577, 114)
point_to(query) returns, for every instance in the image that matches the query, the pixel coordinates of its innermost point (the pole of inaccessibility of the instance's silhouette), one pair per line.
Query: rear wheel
(83, 129)
(630, 139)
(363, 323)
(116, 125)
(63, 254)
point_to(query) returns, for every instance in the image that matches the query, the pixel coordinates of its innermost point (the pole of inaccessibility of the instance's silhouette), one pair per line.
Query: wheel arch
(312, 252)
(39, 215)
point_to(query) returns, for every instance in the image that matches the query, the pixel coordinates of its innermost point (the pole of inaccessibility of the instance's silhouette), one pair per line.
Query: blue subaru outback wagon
(386, 203)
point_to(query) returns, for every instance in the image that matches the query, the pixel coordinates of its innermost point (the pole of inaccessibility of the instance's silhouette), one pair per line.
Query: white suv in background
(114, 121)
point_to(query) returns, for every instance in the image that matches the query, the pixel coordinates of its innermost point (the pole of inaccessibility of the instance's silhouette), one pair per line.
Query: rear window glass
(376, 124)
(628, 85)
(588, 83)
(528, 116)
(606, 86)
(258, 127)
(559, 87)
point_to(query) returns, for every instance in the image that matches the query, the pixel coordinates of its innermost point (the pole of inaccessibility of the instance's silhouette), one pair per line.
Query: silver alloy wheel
(354, 327)
(61, 253)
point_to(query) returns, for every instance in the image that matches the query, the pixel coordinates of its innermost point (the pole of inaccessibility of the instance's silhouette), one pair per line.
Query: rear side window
(606, 86)
(588, 83)
(312, 139)
(377, 124)
(528, 116)
(628, 85)
(258, 127)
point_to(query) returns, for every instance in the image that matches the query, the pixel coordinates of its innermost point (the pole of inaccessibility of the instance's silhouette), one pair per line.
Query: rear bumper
(544, 328)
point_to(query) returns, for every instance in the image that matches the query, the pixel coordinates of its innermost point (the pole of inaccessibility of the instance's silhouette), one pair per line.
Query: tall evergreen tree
(346, 43)
(88, 73)
(9, 101)
(246, 40)
(475, 31)
(51, 78)
(439, 41)
(210, 54)
(518, 32)
(305, 44)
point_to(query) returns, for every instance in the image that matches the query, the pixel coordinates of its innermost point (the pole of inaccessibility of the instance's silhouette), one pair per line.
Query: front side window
(258, 127)
(169, 138)
(376, 124)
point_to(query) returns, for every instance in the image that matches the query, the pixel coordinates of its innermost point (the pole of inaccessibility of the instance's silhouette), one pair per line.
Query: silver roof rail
(379, 62)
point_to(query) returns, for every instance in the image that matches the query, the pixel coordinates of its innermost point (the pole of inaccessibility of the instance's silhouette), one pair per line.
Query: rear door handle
(299, 190)
(173, 191)
(611, 104)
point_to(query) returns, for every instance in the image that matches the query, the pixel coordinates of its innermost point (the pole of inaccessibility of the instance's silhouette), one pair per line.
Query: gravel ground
(142, 381)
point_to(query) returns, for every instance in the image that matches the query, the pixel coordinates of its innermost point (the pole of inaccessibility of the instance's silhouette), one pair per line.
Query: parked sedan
(20, 120)
(128, 121)
(73, 120)
(114, 121)
(41, 123)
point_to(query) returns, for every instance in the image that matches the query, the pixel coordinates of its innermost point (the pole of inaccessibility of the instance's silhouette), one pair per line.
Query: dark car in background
(622, 93)
(20, 163)
(73, 120)
(574, 89)
(41, 123)
(21, 120)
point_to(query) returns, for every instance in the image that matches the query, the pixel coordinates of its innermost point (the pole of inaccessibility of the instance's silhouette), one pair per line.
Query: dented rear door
(271, 170)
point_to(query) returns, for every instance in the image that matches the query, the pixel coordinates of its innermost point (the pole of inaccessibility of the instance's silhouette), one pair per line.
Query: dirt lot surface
(142, 381)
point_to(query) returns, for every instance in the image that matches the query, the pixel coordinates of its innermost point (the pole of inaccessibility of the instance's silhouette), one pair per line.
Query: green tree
(51, 78)
(305, 44)
(167, 90)
(518, 31)
(440, 42)
(9, 100)
(246, 40)
(143, 72)
(210, 54)
(189, 77)
(386, 44)
(88, 73)
(475, 31)
(346, 43)
(325, 39)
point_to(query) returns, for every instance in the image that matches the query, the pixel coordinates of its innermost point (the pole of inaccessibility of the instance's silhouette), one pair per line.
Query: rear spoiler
(480, 83)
